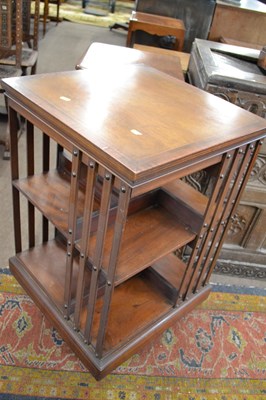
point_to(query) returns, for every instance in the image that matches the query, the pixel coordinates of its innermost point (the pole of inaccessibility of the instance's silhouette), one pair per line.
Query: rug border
(122, 386)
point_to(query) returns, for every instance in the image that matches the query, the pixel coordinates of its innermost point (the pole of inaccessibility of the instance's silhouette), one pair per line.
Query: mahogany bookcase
(127, 246)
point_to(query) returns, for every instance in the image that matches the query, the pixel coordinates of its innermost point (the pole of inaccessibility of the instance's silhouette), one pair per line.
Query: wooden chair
(8, 49)
(30, 35)
(22, 31)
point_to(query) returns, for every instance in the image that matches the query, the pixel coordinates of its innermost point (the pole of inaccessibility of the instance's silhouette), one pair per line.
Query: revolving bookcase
(127, 245)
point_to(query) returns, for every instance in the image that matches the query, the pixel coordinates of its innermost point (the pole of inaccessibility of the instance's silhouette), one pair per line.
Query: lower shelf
(46, 264)
(131, 325)
(136, 304)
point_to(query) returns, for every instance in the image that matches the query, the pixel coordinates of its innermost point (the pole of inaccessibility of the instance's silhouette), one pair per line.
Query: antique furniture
(211, 19)
(11, 38)
(8, 50)
(156, 25)
(16, 58)
(232, 73)
(29, 56)
(101, 53)
(245, 22)
(196, 18)
(23, 31)
(109, 270)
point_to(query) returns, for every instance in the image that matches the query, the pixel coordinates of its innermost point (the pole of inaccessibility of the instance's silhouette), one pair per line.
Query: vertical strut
(87, 216)
(14, 161)
(124, 198)
(72, 223)
(98, 254)
(30, 171)
(45, 168)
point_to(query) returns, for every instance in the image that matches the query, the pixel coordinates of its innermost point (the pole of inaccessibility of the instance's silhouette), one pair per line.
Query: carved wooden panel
(213, 67)
(241, 223)
(252, 102)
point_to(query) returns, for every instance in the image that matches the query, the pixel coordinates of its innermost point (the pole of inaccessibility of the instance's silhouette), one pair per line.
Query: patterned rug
(71, 10)
(217, 352)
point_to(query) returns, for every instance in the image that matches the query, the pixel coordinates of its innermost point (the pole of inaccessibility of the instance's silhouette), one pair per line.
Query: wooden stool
(156, 25)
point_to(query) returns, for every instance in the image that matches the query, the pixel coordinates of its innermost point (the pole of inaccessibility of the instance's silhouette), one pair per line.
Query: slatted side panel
(218, 222)
(123, 203)
(202, 237)
(233, 175)
(233, 196)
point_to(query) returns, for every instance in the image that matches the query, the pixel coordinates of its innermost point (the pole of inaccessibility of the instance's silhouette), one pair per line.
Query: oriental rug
(216, 352)
(71, 10)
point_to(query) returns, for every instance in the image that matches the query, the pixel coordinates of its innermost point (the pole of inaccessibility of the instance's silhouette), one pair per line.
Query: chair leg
(6, 143)
(57, 11)
(45, 15)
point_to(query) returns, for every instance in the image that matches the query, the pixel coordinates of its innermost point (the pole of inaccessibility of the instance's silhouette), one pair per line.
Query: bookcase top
(135, 120)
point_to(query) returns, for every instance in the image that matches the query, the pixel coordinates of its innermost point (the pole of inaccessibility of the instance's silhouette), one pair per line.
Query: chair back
(10, 43)
(30, 29)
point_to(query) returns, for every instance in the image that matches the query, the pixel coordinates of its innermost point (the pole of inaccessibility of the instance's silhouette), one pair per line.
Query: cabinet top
(251, 5)
(138, 122)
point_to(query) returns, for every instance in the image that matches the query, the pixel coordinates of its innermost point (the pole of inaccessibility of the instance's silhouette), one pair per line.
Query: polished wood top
(102, 53)
(138, 122)
(159, 20)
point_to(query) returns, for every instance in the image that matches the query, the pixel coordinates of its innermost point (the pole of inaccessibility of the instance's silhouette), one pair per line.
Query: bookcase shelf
(49, 193)
(152, 225)
(128, 244)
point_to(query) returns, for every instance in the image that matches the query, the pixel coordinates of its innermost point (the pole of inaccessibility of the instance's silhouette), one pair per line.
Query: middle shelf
(158, 223)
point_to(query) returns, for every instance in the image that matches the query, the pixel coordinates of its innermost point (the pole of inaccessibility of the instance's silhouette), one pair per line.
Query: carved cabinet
(107, 263)
(232, 73)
